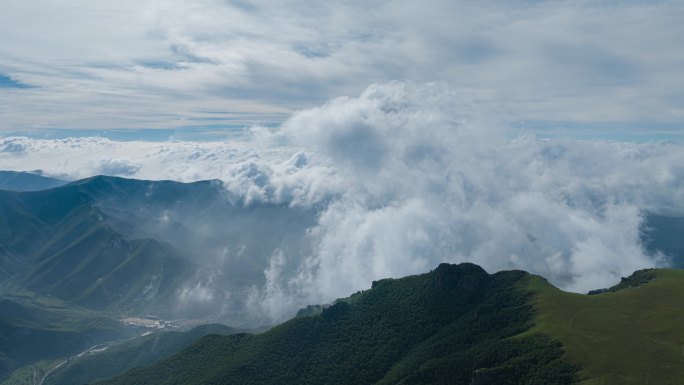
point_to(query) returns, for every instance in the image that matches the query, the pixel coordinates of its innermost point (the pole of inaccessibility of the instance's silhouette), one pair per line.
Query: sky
(207, 69)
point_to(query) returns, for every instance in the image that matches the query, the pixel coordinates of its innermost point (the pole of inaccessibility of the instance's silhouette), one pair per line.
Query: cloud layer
(211, 65)
(404, 177)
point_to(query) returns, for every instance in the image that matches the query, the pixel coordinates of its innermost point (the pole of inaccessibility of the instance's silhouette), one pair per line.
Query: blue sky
(205, 69)
(7, 82)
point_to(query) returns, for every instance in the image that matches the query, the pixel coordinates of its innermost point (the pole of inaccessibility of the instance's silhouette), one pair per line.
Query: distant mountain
(143, 247)
(27, 181)
(105, 248)
(58, 243)
(455, 325)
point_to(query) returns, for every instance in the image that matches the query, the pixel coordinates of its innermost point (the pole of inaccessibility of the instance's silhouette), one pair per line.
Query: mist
(389, 183)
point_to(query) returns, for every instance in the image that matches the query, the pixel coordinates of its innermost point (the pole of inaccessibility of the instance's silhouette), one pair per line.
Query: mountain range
(28, 181)
(77, 258)
(131, 246)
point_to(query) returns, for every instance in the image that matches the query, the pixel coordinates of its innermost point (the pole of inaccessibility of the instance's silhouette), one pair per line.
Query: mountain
(58, 243)
(77, 258)
(106, 248)
(456, 325)
(27, 181)
(142, 247)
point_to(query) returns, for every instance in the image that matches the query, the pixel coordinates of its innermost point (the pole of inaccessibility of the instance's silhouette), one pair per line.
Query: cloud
(203, 296)
(404, 177)
(13, 147)
(427, 187)
(274, 298)
(177, 63)
(116, 167)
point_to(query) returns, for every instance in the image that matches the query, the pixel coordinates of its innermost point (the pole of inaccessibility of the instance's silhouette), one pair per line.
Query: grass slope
(450, 326)
(630, 336)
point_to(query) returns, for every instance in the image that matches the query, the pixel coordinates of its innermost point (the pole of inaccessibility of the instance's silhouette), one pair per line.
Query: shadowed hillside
(59, 243)
(132, 246)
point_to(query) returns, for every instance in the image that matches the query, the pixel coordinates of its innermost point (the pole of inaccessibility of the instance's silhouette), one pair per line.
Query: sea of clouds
(404, 177)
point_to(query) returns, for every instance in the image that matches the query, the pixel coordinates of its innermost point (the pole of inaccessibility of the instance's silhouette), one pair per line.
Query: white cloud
(407, 176)
(117, 167)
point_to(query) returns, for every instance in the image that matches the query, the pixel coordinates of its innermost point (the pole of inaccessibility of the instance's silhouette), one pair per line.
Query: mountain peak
(447, 271)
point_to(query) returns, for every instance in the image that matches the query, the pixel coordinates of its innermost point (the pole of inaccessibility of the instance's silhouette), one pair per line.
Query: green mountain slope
(453, 325)
(634, 335)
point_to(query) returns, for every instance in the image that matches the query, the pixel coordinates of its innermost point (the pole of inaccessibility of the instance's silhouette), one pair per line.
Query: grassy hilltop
(633, 335)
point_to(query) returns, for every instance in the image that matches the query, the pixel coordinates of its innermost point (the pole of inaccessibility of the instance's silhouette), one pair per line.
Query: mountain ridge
(28, 181)
(429, 328)
(455, 325)
(66, 252)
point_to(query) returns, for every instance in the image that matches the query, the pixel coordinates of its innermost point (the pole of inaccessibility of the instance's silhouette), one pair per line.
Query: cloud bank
(404, 177)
